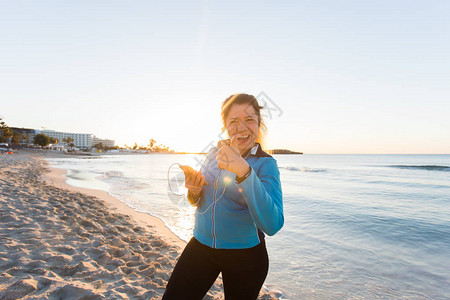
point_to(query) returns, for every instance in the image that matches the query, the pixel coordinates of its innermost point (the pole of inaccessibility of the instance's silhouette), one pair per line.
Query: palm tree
(67, 140)
(6, 132)
(151, 143)
(16, 138)
(99, 146)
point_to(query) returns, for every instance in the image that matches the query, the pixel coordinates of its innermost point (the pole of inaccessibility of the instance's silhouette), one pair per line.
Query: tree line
(43, 140)
(152, 146)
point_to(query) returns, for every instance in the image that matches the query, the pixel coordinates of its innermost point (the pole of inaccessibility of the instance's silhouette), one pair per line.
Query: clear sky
(342, 76)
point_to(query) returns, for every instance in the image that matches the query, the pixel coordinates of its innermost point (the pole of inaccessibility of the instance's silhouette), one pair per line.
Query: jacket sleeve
(264, 197)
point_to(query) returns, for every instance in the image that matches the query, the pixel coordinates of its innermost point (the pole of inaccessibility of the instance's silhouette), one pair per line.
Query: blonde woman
(238, 199)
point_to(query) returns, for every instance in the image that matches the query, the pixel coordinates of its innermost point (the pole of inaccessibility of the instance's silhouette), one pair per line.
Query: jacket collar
(257, 151)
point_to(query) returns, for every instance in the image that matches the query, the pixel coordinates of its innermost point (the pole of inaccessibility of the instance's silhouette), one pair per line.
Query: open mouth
(244, 138)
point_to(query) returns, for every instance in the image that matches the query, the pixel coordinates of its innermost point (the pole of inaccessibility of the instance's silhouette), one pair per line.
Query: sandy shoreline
(64, 242)
(56, 178)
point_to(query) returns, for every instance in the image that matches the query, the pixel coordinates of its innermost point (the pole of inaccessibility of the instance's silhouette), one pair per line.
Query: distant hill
(283, 151)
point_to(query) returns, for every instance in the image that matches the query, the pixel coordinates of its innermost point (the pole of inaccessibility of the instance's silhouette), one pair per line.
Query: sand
(62, 242)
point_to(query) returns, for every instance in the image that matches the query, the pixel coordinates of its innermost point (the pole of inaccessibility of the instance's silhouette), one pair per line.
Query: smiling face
(243, 120)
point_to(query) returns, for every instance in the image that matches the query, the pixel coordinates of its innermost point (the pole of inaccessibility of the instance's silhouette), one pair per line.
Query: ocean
(356, 226)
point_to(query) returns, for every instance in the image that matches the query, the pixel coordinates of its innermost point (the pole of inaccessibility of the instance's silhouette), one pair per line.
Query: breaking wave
(304, 169)
(422, 167)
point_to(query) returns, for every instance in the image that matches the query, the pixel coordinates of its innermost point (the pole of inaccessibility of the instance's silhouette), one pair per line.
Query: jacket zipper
(214, 204)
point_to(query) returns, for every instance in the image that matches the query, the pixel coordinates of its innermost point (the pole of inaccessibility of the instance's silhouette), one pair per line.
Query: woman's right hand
(194, 181)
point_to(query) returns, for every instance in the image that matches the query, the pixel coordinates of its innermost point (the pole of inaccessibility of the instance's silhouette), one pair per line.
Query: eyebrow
(247, 116)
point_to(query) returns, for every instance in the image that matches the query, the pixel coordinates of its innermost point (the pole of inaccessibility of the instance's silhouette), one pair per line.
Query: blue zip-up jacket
(233, 215)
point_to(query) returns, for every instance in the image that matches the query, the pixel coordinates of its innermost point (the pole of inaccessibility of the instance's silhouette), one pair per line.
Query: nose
(241, 126)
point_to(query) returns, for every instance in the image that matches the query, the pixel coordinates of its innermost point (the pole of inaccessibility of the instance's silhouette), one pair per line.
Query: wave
(112, 174)
(422, 167)
(120, 182)
(304, 169)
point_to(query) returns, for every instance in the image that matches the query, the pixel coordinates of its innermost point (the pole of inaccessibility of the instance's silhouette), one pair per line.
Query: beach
(357, 226)
(64, 242)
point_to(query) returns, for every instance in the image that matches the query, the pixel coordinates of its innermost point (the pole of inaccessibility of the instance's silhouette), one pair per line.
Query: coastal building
(104, 142)
(80, 140)
(26, 134)
(83, 141)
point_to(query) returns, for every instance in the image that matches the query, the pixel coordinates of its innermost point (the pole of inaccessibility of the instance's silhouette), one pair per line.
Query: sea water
(356, 226)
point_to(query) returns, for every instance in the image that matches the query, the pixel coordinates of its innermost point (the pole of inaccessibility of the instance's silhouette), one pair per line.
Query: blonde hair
(250, 100)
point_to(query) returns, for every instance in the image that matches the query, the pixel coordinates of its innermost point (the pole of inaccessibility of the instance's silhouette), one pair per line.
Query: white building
(105, 142)
(80, 140)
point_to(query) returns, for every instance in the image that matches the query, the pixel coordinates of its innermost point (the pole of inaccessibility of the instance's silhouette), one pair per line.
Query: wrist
(240, 178)
(244, 169)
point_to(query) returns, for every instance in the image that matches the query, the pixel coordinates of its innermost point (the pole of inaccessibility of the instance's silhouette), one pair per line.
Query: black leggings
(243, 271)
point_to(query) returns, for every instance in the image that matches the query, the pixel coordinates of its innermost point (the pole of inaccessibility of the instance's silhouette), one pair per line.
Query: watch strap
(240, 179)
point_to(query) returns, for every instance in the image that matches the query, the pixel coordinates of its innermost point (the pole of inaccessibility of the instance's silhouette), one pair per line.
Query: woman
(238, 197)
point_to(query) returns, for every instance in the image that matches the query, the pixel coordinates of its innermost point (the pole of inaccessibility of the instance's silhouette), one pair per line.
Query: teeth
(243, 137)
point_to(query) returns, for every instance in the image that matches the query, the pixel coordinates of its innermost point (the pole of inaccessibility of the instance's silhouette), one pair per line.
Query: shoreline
(61, 241)
(155, 225)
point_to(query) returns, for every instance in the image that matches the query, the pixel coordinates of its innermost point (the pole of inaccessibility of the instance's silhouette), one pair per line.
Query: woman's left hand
(229, 158)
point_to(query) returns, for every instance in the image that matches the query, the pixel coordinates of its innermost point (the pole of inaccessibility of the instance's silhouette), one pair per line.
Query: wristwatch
(240, 179)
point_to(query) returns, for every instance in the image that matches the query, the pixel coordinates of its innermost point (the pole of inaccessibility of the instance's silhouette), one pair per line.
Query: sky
(336, 76)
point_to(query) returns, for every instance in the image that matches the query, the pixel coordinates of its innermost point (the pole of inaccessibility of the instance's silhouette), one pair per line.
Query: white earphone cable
(184, 195)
